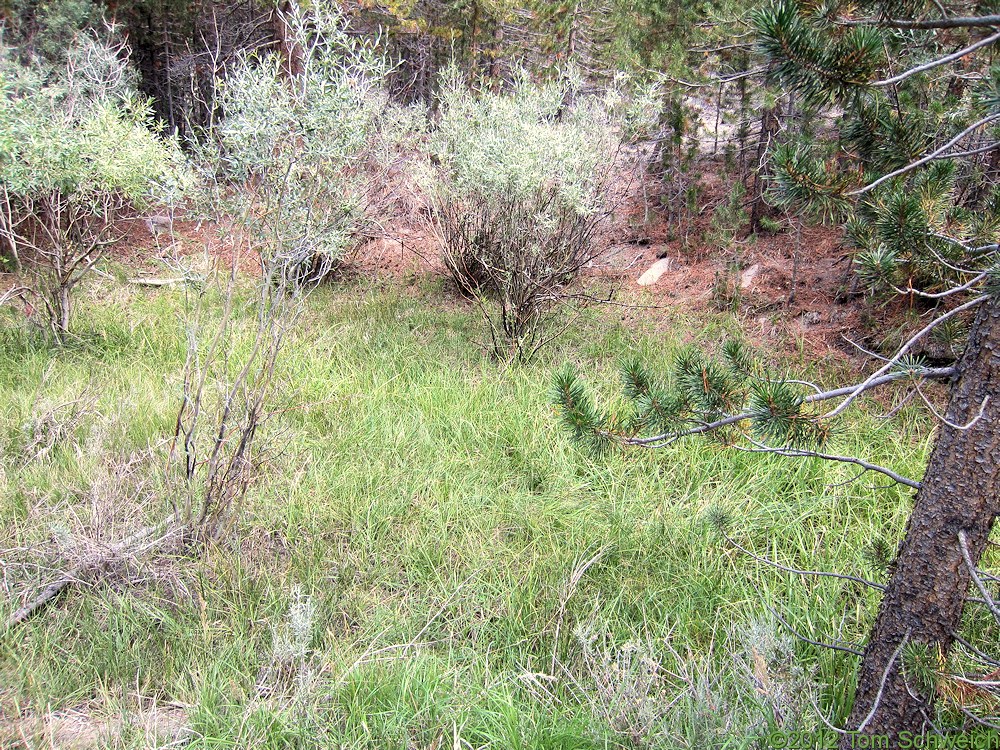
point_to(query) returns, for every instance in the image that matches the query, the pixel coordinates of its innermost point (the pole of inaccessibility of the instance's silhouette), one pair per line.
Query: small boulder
(654, 272)
(747, 277)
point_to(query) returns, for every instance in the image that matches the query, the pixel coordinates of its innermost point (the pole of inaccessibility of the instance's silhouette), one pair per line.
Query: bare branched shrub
(228, 383)
(516, 254)
(521, 187)
(78, 157)
(291, 173)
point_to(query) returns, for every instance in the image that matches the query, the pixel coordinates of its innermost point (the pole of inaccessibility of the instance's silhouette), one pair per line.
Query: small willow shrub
(521, 186)
(79, 154)
(303, 146)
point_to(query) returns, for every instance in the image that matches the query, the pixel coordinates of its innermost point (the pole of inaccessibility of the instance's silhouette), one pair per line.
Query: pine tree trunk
(769, 126)
(290, 51)
(495, 67)
(960, 492)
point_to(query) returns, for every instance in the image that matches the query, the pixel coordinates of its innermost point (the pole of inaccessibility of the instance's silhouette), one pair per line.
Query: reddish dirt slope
(756, 272)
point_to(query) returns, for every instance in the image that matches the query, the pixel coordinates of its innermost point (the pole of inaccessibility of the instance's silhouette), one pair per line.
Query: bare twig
(963, 544)
(805, 453)
(796, 571)
(881, 687)
(801, 637)
(945, 420)
(874, 377)
(930, 23)
(940, 61)
(984, 657)
(938, 153)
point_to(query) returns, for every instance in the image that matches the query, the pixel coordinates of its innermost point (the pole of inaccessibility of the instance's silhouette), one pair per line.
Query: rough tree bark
(291, 53)
(770, 124)
(927, 591)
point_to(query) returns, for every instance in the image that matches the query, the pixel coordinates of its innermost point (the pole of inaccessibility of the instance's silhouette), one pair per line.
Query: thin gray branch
(986, 658)
(801, 637)
(931, 23)
(804, 453)
(937, 153)
(947, 293)
(900, 353)
(663, 439)
(796, 571)
(940, 61)
(881, 687)
(963, 544)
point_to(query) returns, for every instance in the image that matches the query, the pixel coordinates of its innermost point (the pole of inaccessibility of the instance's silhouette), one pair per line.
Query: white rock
(654, 272)
(747, 277)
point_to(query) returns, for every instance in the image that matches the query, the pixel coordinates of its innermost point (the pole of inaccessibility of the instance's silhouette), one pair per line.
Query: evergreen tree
(912, 171)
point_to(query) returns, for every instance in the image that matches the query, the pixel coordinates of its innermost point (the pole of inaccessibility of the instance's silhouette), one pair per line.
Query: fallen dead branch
(144, 540)
(155, 282)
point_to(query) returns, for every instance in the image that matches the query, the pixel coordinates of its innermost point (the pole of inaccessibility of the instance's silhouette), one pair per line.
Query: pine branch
(903, 350)
(666, 438)
(805, 453)
(936, 63)
(801, 637)
(935, 23)
(803, 58)
(578, 412)
(796, 571)
(939, 153)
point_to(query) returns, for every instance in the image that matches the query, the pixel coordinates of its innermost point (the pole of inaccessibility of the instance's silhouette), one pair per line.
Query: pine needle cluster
(922, 216)
(824, 70)
(730, 398)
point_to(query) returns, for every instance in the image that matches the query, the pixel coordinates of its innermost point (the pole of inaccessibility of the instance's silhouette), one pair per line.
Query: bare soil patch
(83, 729)
(749, 276)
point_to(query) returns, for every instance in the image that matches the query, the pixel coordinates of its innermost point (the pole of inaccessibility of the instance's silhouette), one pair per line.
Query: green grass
(441, 523)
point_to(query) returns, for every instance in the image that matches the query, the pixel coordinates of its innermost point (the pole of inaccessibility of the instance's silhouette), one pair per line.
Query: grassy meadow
(429, 561)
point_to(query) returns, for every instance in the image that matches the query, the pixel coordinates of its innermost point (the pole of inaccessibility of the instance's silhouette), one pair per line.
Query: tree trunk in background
(769, 125)
(473, 44)
(571, 35)
(961, 492)
(495, 67)
(743, 132)
(181, 49)
(291, 53)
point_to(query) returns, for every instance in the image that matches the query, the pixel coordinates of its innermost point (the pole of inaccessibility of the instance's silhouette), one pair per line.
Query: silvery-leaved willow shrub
(521, 185)
(79, 156)
(302, 144)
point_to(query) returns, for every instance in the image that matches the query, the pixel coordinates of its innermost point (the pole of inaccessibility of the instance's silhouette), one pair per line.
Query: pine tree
(912, 172)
